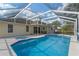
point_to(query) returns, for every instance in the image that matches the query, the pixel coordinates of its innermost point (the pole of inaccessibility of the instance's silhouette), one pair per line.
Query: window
(27, 28)
(10, 28)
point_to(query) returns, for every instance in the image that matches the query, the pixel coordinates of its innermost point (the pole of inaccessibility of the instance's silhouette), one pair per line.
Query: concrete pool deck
(73, 49)
(4, 46)
(5, 51)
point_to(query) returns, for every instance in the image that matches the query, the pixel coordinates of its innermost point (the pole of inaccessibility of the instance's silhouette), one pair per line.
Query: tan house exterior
(20, 29)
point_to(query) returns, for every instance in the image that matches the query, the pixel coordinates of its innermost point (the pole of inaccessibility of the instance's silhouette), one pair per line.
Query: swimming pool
(49, 45)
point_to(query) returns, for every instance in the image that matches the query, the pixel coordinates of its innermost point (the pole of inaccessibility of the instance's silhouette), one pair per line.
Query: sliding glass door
(36, 30)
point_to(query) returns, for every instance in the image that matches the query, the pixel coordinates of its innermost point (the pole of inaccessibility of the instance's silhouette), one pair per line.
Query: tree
(68, 28)
(56, 24)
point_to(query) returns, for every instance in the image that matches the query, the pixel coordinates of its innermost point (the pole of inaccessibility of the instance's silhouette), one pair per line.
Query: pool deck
(5, 43)
(4, 46)
(73, 49)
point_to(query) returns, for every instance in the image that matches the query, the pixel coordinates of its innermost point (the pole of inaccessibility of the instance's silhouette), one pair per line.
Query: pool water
(49, 45)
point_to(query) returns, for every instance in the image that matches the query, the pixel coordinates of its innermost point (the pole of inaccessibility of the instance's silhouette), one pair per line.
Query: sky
(12, 5)
(42, 7)
(35, 7)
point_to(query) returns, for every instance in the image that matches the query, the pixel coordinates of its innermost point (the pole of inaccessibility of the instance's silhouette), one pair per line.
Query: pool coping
(12, 51)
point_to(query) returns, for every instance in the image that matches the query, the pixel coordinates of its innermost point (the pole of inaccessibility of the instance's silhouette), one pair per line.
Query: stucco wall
(18, 29)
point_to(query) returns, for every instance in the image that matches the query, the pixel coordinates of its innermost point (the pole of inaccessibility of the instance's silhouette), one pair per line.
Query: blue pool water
(49, 45)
